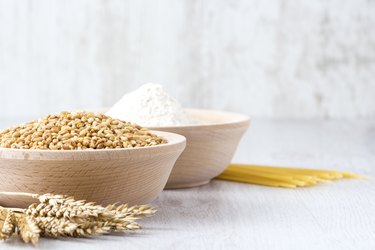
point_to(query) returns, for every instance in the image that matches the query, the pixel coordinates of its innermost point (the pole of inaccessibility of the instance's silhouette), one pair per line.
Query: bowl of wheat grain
(86, 155)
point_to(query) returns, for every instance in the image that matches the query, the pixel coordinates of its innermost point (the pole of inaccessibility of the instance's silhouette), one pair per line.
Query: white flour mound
(150, 106)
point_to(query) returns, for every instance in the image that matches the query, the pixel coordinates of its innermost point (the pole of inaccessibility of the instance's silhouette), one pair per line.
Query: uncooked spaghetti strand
(290, 175)
(272, 177)
(281, 176)
(326, 174)
(255, 181)
(258, 173)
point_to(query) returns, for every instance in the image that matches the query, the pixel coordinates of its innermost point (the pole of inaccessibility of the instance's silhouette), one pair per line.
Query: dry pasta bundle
(281, 176)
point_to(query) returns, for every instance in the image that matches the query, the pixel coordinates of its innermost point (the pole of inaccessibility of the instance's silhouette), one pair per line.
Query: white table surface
(225, 215)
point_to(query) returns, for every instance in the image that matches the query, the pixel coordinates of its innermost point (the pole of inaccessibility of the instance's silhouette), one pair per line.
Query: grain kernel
(77, 131)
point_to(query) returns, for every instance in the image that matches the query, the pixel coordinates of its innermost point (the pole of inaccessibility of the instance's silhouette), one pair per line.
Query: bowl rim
(175, 142)
(241, 120)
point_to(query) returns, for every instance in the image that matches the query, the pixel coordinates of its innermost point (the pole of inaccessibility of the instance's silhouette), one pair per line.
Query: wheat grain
(61, 215)
(6, 223)
(78, 131)
(27, 227)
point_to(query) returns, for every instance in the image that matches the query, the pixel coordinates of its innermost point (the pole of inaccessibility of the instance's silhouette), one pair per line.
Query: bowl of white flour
(151, 106)
(212, 136)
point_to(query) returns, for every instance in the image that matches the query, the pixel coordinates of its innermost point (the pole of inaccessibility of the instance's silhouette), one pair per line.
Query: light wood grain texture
(134, 176)
(210, 146)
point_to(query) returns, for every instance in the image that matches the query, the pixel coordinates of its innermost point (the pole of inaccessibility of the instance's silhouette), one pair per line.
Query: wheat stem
(20, 194)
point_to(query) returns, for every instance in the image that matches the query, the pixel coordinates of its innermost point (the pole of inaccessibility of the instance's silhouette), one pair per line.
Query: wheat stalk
(61, 215)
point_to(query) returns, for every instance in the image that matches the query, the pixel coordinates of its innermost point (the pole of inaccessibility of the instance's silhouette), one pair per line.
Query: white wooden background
(276, 58)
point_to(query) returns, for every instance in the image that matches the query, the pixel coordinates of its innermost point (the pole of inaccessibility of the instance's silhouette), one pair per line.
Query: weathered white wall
(275, 58)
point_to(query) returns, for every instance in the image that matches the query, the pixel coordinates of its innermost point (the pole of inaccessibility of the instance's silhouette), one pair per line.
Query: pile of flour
(150, 106)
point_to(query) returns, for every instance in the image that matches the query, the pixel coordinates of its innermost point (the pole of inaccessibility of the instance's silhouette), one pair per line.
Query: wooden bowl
(134, 175)
(210, 146)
